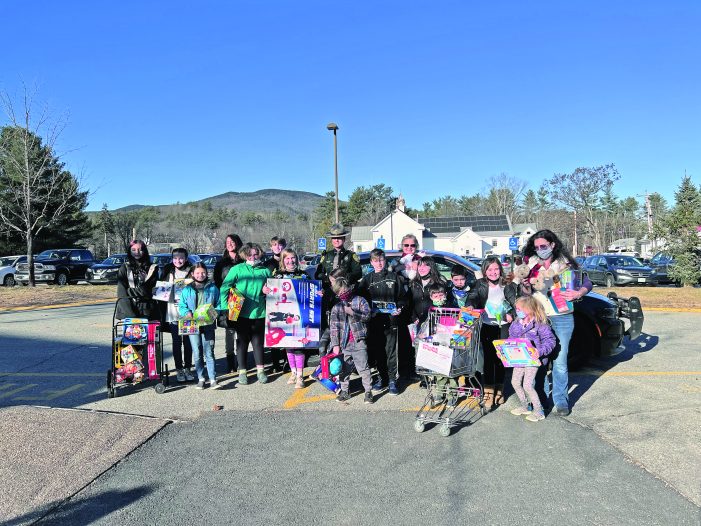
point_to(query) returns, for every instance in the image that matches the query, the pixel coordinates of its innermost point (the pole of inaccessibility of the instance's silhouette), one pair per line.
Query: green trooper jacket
(348, 261)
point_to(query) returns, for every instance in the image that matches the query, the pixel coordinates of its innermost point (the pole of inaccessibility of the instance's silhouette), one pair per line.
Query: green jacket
(348, 261)
(248, 281)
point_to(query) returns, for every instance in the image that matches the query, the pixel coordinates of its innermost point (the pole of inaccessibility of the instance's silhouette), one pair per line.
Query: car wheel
(62, 278)
(585, 341)
(609, 280)
(9, 281)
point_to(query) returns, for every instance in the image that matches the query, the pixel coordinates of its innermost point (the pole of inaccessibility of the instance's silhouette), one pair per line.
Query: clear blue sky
(176, 101)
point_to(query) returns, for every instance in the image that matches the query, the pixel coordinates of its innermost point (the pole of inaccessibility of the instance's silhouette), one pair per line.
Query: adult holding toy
(546, 262)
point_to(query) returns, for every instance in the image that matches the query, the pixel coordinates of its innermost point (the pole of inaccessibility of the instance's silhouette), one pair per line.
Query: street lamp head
(332, 126)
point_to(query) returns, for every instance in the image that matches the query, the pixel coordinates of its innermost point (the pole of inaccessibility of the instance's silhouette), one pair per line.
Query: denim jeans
(563, 326)
(204, 342)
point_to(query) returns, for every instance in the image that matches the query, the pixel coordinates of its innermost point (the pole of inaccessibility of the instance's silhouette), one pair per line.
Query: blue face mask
(520, 314)
(544, 253)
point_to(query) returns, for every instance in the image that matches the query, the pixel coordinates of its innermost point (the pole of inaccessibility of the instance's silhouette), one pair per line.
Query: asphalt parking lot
(629, 450)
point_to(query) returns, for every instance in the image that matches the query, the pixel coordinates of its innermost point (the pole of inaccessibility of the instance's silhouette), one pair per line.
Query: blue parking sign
(381, 243)
(321, 243)
(513, 243)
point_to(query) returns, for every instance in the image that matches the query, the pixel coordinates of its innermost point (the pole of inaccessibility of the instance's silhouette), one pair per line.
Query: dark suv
(60, 266)
(614, 269)
(598, 321)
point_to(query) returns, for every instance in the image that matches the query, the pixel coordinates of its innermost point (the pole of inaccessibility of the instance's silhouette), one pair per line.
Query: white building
(464, 235)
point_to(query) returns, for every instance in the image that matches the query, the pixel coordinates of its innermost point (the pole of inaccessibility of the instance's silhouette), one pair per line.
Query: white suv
(7, 269)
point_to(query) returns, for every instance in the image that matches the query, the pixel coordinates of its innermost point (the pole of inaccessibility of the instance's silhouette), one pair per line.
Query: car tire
(609, 281)
(9, 281)
(585, 341)
(61, 279)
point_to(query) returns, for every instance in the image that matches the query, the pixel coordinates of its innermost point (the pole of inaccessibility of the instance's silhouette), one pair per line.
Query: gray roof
(454, 224)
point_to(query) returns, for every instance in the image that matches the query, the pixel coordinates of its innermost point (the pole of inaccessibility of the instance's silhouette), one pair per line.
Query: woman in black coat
(493, 293)
(221, 269)
(135, 281)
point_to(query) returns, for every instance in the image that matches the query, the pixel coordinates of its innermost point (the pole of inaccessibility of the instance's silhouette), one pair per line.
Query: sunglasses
(409, 245)
(542, 247)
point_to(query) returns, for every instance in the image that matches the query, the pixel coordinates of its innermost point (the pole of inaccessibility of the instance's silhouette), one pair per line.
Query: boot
(300, 379)
(499, 394)
(293, 377)
(231, 365)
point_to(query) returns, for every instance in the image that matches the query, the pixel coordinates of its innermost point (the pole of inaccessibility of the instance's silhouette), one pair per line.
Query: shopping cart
(137, 355)
(447, 349)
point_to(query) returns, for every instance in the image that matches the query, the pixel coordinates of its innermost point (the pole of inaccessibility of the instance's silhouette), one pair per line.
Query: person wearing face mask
(177, 271)
(545, 255)
(492, 293)
(135, 281)
(249, 279)
(221, 269)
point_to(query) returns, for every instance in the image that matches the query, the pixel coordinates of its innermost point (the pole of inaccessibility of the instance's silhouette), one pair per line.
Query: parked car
(8, 265)
(210, 260)
(306, 258)
(60, 266)
(311, 266)
(614, 269)
(106, 271)
(599, 321)
(661, 263)
(164, 258)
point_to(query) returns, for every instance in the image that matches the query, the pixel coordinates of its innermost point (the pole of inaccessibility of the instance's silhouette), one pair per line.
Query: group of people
(365, 319)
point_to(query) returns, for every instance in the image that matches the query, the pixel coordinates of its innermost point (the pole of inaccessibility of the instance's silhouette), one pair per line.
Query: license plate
(641, 280)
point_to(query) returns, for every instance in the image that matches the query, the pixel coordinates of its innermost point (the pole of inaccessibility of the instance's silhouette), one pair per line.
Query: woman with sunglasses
(546, 256)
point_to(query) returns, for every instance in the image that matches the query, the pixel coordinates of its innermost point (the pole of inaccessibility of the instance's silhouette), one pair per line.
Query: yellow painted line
(636, 373)
(57, 375)
(299, 397)
(669, 309)
(58, 305)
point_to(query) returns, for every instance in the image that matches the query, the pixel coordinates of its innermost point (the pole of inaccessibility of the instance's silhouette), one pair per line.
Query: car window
(76, 255)
(6, 262)
(85, 255)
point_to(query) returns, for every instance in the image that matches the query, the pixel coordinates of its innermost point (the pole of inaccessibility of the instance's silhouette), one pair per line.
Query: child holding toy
(531, 324)
(199, 293)
(348, 329)
(289, 269)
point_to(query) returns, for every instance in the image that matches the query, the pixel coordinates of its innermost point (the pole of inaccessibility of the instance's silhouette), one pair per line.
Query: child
(381, 287)
(348, 328)
(178, 272)
(458, 289)
(201, 292)
(277, 245)
(532, 324)
(289, 269)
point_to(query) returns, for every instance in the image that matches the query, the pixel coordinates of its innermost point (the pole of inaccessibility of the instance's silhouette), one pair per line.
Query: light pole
(334, 127)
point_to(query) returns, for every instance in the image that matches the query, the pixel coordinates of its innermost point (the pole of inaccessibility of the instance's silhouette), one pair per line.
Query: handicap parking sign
(381, 243)
(321, 243)
(513, 243)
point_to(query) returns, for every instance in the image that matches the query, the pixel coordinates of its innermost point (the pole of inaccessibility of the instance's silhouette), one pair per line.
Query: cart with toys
(447, 348)
(137, 355)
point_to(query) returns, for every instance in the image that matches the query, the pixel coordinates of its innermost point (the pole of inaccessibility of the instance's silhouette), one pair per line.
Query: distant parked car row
(615, 269)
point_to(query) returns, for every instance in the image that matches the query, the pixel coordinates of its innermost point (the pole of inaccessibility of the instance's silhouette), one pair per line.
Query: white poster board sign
(436, 358)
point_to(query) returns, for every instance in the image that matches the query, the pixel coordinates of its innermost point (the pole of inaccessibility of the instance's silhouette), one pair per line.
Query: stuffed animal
(549, 273)
(521, 273)
(538, 282)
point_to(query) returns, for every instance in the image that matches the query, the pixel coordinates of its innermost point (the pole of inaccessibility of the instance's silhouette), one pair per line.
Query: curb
(57, 306)
(668, 309)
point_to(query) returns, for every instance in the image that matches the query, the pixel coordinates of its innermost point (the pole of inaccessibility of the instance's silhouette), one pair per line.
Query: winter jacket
(222, 268)
(134, 291)
(459, 296)
(188, 299)
(385, 286)
(348, 261)
(539, 333)
(272, 264)
(249, 281)
(168, 274)
(420, 299)
(341, 323)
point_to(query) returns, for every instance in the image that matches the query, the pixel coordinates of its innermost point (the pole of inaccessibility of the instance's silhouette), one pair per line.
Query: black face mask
(198, 280)
(494, 281)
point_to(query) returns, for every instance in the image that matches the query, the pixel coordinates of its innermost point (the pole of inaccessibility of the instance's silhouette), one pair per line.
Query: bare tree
(35, 190)
(503, 195)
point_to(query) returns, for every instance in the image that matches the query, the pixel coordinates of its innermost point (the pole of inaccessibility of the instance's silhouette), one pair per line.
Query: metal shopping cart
(137, 355)
(447, 349)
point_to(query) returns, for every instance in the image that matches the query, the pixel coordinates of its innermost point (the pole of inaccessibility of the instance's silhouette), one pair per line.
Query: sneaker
(292, 379)
(519, 411)
(262, 377)
(200, 384)
(369, 398)
(188, 375)
(180, 377)
(214, 385)
(243, 377)
(343, 396)
(562, 411)
(300, 382)
(378, 385)
(393, 390)
(535, 417)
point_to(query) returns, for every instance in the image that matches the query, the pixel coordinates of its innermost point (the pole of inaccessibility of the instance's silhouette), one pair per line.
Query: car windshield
(115, 260)
(53, 254)
(625, 261)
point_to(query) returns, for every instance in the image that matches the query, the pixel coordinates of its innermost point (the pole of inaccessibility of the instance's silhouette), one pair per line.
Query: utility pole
(576, 246)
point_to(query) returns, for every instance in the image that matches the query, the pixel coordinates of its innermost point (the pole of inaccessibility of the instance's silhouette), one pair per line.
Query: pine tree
(682, 232)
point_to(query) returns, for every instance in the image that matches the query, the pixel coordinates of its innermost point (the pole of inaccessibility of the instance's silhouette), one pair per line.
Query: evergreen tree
(682, 232)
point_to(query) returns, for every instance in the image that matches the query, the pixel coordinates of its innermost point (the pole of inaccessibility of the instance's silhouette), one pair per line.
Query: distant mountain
(267, 200)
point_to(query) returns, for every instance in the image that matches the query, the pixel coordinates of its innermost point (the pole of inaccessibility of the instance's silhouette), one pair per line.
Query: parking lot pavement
(645, 402)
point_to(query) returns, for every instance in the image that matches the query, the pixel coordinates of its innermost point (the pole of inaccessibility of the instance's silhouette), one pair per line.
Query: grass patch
(659, 297)
(41, 295)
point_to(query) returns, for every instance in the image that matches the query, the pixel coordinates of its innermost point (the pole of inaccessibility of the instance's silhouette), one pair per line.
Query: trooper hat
(337, 230)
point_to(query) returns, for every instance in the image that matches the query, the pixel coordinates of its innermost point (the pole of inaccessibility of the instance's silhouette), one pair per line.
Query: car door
(78, 266)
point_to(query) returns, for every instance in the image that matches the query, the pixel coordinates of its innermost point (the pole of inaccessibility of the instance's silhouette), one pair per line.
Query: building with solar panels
(464, 235)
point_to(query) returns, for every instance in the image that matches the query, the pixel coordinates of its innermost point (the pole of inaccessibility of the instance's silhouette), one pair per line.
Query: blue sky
(176, 101)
